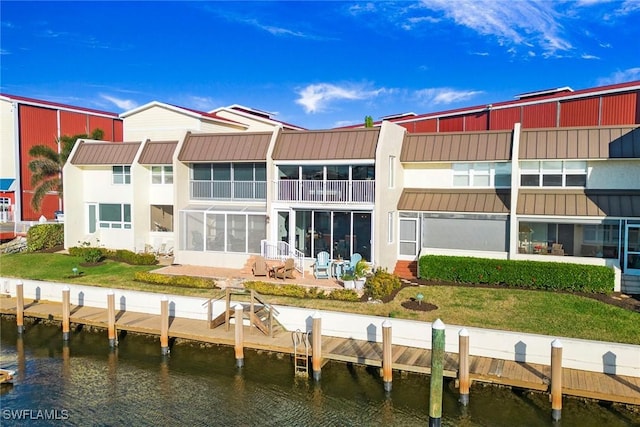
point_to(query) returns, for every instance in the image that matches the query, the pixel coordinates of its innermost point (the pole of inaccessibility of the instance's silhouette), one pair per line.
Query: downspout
(515, 186)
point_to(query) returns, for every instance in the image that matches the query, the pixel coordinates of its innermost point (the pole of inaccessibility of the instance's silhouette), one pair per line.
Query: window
(553, 173)
(390, 226)
(485, 174)
(228, 181)
(161, 218)
(162, 174)
(114, 215)
(392, 171)
(121, 174)
(222, 232)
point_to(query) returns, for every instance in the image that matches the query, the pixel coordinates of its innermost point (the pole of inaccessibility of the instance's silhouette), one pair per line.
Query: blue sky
(314, 64)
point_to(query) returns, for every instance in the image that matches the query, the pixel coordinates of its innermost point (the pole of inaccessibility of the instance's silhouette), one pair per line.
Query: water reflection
(135, 385)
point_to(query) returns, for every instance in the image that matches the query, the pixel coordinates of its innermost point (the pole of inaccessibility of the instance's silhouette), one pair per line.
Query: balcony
(228, 190)
(330, 191)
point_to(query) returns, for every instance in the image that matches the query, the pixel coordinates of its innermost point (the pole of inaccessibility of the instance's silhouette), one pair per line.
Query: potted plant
(361, 271)
(348, 281)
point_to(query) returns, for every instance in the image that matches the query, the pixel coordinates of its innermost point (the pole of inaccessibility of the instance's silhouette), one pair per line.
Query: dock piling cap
(238, 307)
(556, 343)
(463, 332)
(386, 324)
(437, 324)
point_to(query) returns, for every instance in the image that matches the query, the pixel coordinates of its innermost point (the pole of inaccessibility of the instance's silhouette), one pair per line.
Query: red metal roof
(34, 101)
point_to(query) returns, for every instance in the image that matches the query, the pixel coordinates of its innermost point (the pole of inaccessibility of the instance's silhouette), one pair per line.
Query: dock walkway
(531, 376)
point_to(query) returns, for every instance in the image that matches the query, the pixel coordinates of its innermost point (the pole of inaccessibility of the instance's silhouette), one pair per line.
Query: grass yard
(540, 312)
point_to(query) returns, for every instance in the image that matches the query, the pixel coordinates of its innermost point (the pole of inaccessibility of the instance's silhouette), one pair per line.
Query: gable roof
(460, 147)
(105, 153)
(352, 144)
(256, 114)
(202, 115)
(158, 153)
(56, 105)
(225, 147)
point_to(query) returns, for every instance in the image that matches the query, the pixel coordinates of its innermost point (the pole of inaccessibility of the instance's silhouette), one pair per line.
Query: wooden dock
(531, 376)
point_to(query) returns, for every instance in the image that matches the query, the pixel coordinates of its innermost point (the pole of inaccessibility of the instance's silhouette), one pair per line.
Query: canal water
(84, 383)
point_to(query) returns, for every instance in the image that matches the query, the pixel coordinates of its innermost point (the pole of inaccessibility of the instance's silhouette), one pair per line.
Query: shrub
(89, 253)
(124, 255)
(45, 236)
(381, 284)
(297, 291)
(344, 295)
(521, 274)
(180, 281)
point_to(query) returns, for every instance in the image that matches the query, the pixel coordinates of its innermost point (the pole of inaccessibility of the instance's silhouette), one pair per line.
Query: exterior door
(632, 249)
(408, 242)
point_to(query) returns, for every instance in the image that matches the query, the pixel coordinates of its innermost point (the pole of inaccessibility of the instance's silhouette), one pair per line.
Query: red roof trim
(41, 102)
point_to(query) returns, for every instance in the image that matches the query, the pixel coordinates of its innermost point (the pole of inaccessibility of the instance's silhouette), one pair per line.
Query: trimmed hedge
(94, 254)
(297, 291)
(180, 281)
(555, 276)
(124, 255)
(45, 236)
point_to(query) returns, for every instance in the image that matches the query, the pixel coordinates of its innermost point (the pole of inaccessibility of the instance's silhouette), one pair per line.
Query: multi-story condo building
(248, 184)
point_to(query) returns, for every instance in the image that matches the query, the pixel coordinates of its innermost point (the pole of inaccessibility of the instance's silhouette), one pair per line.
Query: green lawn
(549, 313)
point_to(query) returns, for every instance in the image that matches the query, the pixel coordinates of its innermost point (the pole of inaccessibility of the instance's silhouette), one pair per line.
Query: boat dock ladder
(300, 352)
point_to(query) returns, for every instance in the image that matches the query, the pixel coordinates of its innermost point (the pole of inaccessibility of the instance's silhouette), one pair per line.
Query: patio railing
(281, 251)
(228, 190)
(329, 191)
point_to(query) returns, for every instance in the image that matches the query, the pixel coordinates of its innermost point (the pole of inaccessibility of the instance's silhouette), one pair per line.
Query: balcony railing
(330, 191)
(228, 190)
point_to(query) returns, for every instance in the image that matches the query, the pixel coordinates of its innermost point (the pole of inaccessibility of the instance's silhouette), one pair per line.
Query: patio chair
(556, 249)
(351, 267)
(285, 271)
(259, 267)
(322, 265)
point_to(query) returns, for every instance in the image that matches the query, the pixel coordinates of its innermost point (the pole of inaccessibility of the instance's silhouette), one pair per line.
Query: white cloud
(628, 6)
(622, 76)
(444, 95)
(587, 56)
(201, 103)
(124, 104)
(525, 22)
(316, 97)
(4, 52)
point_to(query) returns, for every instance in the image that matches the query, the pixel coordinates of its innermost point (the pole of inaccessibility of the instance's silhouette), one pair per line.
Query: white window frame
(162, 173)
(390, 227)
(564, 168)
(474, 171)
(122, 224)
(121, 176)
(392, 171)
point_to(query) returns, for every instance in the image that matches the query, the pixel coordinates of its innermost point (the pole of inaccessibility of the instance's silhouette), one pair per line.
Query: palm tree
(47, 163)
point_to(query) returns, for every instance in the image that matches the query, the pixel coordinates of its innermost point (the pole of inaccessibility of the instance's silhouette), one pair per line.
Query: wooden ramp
(593, 385)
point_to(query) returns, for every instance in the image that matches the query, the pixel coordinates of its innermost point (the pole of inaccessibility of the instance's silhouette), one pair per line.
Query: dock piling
(111, 319)
(66, 312)
(316, 345)
(164, 325)
(387, 356)
(437, 371)
(556, 380)
(463, 368)
(239, 335)
(20, 307)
